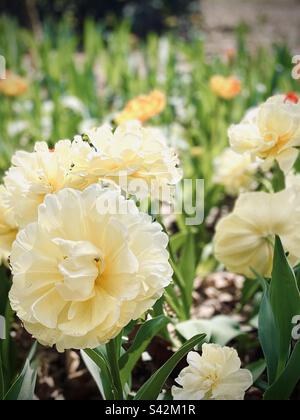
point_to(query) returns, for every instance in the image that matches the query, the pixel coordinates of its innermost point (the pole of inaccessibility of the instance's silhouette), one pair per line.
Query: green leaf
(175, 303)
(188, 267)
(285, 301)
(268, 333)
(278, 179)
(24, 386)
(4, 289)
(257, 369)
(2, 385)
(177, 241)
(249, 289)
(286, 383)
(220, 329)
(152, 388)
(113, 352)
(297, 274)
(99, 369)
(143, 338)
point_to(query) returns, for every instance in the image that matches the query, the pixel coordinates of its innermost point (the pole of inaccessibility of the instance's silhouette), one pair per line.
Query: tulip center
(81, 266)
(276, 143)
(213, 378)
(211, 381)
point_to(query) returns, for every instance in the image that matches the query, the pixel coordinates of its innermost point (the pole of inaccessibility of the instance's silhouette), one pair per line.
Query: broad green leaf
(24, 386)
(285, 301)
(188, 267)
(220, 329)
(249, 289)
(268, 333)
(297, 274)
(4, 289)
(257, 369)
(286, 383)
(152, 388)
(143, 338)
(2, 385)
(99, 369)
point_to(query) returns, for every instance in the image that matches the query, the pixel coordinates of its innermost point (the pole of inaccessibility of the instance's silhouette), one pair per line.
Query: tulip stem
(113, 358)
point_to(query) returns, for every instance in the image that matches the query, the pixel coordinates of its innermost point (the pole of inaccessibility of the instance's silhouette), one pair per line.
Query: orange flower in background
(225, 87)
(13, 85)
(143, 107)
(230, 54)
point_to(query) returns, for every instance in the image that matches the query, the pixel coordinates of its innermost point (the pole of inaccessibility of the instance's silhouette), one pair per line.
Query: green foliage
(280, 303)
(103, 71)
(152, 388)
(23, 387)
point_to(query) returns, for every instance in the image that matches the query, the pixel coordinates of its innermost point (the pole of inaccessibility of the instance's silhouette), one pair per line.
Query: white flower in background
(136, 158)
(87, 125)
(216, 375)
(261, 88)
(271, 132)
(23, 106)
(244, 239)
(89, 265)
(17, 127)
(163, 59)
(48, 107)
(47, 126)
(175, 136)
(74, 104)
(184, 111)
(8, 228)
(34, 175)
(235, 172)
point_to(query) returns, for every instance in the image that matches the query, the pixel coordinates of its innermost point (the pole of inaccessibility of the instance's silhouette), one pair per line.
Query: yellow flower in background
(235, 172)
(225, 87)
(89, 265)
(270, 132)
(13, 85)
(8, 228)
(244, 239)
(143, 107)
(34, 175)
(132, 155)
(216, 375)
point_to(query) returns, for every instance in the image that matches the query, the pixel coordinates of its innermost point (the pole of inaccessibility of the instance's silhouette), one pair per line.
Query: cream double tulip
(34, 175)
(8, 228)
(235, 172)
(216, 375)
(89, 265)
(244, 239)
(136, 158)
(271, 132)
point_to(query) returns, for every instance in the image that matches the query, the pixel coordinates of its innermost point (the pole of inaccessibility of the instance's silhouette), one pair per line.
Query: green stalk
(113, 352)
(2, 386)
